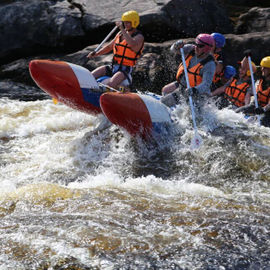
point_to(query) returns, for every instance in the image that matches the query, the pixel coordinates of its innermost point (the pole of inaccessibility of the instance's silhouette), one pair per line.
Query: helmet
(253, 69)
(265, 62)
(131, 16)
(219, 40)
(206, 40)
(244, 65)
(229, 72)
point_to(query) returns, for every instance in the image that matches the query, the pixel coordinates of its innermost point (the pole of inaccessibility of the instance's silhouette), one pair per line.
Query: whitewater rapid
(74, 197)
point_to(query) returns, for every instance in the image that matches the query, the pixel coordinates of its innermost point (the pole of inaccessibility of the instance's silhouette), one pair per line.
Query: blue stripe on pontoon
(91, 96)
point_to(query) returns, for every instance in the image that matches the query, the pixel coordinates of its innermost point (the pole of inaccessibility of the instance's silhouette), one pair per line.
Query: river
(73, 198)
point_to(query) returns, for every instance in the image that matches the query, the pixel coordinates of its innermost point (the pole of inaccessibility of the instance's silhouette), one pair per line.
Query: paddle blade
(196, 141)
(253, 119)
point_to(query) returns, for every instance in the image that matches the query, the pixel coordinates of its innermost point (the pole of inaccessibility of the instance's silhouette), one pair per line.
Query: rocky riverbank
(69, 29)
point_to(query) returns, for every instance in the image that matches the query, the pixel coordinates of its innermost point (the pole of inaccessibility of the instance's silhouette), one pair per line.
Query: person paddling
(127, 47)
(200, 67)
(263, 95)
(237, 91)
(226, 76)
(220, 42)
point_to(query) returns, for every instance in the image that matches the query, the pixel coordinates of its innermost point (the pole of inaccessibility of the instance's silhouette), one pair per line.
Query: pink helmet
(206, 40)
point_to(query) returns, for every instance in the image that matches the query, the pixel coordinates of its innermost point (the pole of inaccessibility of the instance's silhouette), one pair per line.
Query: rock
(258, 42)
(248, 3)
(63, 29)
(33, 27)
(255, 20)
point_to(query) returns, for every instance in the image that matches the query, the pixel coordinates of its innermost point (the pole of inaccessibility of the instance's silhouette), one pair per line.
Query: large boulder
(255, 20)
(32, 27)
(248, 3)
(164, 19)
(68, 29)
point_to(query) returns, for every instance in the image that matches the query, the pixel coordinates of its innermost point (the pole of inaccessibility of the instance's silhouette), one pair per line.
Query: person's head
(244, 71)
(229, 72)
(219, 67)
(265, 67)
(219, 41)
(204, 44)
(130, 19)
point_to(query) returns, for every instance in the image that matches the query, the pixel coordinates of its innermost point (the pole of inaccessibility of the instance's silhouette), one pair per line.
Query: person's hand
(91, 54)
(192, 91)
(120, 25)
(247, 53)
(177, 45)
(259, 110)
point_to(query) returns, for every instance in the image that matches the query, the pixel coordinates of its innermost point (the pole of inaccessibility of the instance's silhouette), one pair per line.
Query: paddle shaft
(253, 82)
(106, 38)
(108, 87)
(188, 86)
(253, 88)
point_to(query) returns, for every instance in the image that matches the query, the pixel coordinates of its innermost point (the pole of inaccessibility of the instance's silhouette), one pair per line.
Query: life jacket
(236, 93)
(218, 76)
(194, 76)
(217, 81)
(263, 95)
(217, 56)
(123, 54)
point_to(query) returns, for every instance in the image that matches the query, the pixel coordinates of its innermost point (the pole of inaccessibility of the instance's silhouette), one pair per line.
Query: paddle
(196, 141)
(253, 87)
(108, 87)
(92, 79)
(105, 39)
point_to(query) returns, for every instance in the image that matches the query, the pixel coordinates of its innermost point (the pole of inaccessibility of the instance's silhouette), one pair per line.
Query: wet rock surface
(69, 30)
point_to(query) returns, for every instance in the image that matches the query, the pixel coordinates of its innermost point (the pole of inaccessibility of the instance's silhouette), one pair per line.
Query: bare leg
(167, 89)
(116, 79)
(99, 72)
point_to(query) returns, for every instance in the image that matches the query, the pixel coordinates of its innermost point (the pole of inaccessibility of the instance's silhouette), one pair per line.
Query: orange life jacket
(216, 56)
(218, 76)
(123, 54)
(263, 95)
(236, 93)
(194, 76)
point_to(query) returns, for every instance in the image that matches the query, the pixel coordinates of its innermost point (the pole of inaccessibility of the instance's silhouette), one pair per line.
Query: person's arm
(187, 48)
(208, 72)
(218, 91)
(104, 50)
(266, 108)
(135, 42)
(222, 88)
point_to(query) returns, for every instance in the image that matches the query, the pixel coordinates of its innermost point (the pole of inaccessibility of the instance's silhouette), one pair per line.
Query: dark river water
(73, 198)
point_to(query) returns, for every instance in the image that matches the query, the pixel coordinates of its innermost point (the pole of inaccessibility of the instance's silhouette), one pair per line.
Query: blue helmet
(229, 72)
(219, 39)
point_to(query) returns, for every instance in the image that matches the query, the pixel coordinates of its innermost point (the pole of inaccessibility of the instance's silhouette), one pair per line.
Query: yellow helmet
(265, 62)
(254, 68)
(131, 16)
(245, 66)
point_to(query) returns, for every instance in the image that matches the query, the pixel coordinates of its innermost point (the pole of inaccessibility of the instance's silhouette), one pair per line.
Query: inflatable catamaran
(73, 85)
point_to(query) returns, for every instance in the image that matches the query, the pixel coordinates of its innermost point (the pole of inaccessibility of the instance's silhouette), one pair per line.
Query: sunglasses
(199, 45)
